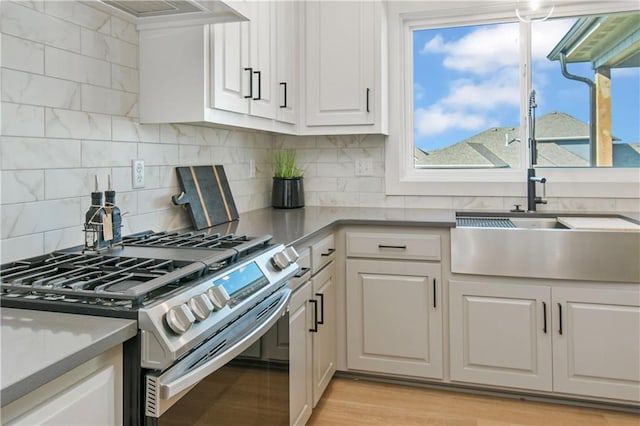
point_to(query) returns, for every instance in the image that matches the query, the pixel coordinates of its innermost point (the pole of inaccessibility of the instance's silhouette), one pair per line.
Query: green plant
(284, 164)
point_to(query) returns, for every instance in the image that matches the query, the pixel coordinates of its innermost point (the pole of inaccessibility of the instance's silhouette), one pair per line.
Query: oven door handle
(191, 377)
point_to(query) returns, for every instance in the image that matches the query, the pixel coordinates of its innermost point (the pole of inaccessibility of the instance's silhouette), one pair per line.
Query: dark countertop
(39, 346)
(292, 226)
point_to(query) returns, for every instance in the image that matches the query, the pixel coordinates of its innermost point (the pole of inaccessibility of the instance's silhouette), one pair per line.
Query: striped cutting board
(206, 194)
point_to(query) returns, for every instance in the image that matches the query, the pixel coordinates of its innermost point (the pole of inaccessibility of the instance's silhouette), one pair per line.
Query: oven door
(225, 381)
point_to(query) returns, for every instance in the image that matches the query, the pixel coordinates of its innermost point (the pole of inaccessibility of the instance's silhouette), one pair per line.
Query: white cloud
(486, 95)
(484, 50)
(435, 120)
(546, 35)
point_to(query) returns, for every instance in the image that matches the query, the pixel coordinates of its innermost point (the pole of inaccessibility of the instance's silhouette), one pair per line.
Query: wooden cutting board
(206, 193)
(599, 223)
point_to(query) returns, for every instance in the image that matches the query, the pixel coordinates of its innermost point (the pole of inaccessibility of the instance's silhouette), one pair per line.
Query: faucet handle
(516, 209)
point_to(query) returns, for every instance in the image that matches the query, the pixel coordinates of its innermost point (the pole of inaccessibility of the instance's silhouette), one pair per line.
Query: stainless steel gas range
(202, 300)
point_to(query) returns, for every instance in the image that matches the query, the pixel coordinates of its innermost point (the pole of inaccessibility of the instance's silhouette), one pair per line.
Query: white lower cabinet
(324, 325)
(394, 317)
(90, 394)
(300, 357)
(570, 340)
(596, 343)
(498, 334)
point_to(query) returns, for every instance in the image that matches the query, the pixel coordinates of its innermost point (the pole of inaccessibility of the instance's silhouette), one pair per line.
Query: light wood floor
(348, 402)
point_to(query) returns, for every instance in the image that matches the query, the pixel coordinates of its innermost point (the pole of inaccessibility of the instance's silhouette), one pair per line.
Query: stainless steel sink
(538, 246)
(504, 222)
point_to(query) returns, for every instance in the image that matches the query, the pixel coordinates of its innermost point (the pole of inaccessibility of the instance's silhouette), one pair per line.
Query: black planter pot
(288, 193)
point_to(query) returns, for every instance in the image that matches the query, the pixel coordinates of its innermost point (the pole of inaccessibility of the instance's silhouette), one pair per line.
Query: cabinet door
(300, 357)
(394, 317)
(231, 77)
(324, 340)
(339, 62)
(596, 342)
(499, 334)
(262, 53)
(286, 60)
(90, 394)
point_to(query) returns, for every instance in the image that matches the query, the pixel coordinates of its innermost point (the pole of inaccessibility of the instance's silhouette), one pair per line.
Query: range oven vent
(152, 14)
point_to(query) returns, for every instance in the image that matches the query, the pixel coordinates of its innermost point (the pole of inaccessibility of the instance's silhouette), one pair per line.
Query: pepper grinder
(116, 216)
(94, 219)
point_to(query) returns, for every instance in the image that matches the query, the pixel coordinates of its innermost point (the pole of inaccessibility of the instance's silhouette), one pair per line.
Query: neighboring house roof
(562, 140)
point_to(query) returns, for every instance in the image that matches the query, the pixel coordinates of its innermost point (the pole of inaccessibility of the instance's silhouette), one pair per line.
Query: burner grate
(98, 277)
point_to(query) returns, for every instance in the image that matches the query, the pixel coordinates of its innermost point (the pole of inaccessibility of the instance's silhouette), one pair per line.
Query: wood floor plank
(348, 402)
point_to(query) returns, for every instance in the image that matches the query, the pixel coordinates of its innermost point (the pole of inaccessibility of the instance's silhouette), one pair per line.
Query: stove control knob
(281, 260)
(179, 318)
(292, 253)
(200, 306)
(218, 296)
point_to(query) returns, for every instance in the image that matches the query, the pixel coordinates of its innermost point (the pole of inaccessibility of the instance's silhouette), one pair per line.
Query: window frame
(401, 178)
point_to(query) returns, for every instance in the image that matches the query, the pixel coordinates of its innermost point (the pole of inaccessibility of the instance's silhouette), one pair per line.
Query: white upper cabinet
(311, 67)
(287, 60)
(231, 71)
(343, 68)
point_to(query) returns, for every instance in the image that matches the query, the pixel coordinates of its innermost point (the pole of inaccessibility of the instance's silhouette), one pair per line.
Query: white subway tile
(124, 30)
(128, 129)
(39, 216)
(21, 247)
(477, 203)
(106, 154)
(108, 48)
(158, 154)
(25, 88)
(80, 14)
(192, 155)
(32, 4)
(154, 200)
(21, 54)
(65, 183)
(178, 134)
(428, 202)
(121, 178)
(21, 186)
(22, 120)
(107, 101)
(380, 200)
(72, 66)
(62, 123)
(337, 169)
(36, 153)
(124, 78)
(63, 238)
(323, 184)
(23, 22)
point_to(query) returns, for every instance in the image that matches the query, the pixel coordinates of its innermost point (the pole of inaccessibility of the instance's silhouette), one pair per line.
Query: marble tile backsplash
(69, 81)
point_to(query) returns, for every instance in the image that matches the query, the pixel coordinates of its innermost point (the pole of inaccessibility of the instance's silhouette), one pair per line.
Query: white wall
(69, 112)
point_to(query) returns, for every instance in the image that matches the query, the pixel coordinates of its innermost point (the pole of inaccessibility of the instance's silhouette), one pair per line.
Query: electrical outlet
(137, 173)
(252, 168)
(364, 167)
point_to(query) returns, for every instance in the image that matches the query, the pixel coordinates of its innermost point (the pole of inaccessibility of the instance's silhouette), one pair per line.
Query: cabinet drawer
(393, 246)
(322, 253)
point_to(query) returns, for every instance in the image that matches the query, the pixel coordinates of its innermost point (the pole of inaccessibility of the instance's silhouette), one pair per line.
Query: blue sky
(466, 81)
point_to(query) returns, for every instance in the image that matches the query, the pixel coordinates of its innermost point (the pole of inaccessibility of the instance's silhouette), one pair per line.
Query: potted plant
(288, 189)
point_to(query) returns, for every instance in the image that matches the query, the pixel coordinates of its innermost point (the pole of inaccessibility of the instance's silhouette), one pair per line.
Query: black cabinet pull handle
(259, 85)
(321, 296)
(544, 317)
(250, 95)
(314, 329)
(560, 319)
(383, 246)
(368, 91)
(301, 272)
(328, 253)
(434, 294)
(284, 105)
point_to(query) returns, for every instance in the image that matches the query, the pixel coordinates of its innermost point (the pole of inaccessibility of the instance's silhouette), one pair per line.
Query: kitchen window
(460, 90)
